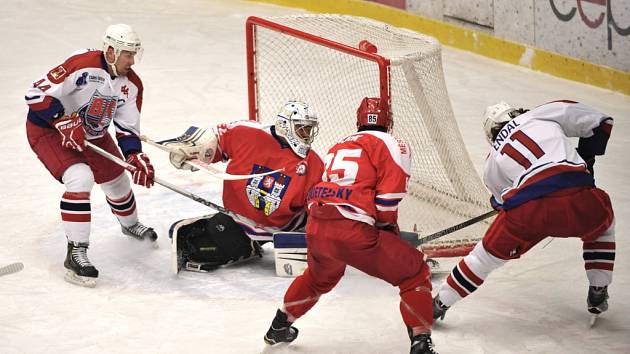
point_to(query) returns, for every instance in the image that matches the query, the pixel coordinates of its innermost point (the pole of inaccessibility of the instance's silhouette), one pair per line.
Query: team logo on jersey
(125, 90)
(265, 193)
(82, 80)
(55, 75)
(300, 169)
(98, 113)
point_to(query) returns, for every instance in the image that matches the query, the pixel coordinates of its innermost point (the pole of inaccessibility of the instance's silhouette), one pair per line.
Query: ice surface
(194, 74)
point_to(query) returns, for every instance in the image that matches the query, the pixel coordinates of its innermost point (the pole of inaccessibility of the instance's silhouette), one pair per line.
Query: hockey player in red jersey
(353, 214)
(542, 186)
(274, 202)
(77, 101)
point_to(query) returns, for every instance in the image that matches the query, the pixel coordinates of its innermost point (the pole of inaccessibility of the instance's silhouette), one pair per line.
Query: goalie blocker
(208, 242)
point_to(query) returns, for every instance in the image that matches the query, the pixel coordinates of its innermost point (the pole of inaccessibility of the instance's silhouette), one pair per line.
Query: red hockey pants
(334, 242)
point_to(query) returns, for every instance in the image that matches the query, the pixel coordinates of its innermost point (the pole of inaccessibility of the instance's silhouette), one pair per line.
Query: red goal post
(317, 59)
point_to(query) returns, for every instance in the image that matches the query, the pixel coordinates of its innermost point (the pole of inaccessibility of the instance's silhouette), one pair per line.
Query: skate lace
(137, 229)
(430, 346)
(428, 342)
(79, 254)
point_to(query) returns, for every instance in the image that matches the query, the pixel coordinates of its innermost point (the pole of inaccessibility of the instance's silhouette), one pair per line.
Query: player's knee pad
(118, 187)
(212, 241)
(78, 178)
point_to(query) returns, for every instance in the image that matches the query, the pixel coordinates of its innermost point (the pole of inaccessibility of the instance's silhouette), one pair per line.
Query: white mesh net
(444, 189)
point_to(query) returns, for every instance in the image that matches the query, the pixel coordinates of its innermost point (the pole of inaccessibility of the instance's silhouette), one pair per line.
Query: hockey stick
(476, 219)
(11, 268)
(205, 167)
(176, 189)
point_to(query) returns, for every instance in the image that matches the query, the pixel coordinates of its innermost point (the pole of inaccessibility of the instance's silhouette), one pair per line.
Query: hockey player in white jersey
(542, 186)
(77, 101)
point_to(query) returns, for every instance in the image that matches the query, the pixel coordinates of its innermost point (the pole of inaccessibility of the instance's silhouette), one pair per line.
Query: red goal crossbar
(250, 36)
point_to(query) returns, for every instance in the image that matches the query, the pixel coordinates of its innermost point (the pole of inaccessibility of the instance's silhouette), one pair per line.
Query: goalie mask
(297, 124)
(372, 113)
(121, 37)
(495, 117)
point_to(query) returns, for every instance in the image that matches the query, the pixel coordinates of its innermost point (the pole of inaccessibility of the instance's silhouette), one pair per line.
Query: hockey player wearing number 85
(77, 101)
(274, 202)
(542, 186)
(353, 214)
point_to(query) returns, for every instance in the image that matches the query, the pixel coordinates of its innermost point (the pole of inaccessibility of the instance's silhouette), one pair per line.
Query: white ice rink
(194, 74)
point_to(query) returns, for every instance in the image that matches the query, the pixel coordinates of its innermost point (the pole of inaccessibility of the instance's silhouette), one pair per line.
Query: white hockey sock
(76, 216)
(75, 203)
(468, 275)
(599, 258)
(121, 199)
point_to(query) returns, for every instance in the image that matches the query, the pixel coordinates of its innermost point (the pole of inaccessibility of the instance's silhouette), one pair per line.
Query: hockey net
(316, 59)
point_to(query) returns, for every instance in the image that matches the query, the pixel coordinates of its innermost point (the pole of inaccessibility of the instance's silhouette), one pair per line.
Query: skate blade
(593, 320)
(72, 277)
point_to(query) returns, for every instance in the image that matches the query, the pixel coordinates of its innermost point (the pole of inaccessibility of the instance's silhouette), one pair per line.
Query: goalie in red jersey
(353, 214)
(275, 202)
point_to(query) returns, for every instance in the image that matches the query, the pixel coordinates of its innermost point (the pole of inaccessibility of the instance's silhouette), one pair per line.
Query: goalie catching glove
(196, 143)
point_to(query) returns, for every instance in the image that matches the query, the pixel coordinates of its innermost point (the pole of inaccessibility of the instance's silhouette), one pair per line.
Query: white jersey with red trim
(366, 177)
(83, 84)
(532, 155)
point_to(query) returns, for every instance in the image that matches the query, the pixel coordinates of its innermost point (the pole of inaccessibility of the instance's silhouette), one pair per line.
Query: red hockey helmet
(374, 112)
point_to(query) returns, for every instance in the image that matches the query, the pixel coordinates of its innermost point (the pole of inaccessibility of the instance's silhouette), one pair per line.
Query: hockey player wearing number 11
(353, 220)
(542, 186)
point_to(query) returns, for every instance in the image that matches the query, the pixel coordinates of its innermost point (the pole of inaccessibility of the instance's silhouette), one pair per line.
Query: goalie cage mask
(297, 124)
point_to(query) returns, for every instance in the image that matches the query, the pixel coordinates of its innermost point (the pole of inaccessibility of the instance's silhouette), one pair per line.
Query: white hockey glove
(203, 147)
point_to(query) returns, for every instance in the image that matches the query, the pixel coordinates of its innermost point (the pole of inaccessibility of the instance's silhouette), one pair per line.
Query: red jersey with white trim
(366, 177)
(533, 155)
(82, 84)
(274, 201)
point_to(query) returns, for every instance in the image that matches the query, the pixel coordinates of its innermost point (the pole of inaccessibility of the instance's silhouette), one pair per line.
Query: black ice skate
(422, 344)
(597, 300)
(80, 269)
(439, 309)
(280, 330)
(140, 232)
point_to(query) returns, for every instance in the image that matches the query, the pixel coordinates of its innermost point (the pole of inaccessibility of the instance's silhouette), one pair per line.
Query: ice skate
(439, 309)
(280, 330)
(140, 232)
(80, 269)
(422, 344)
(597, 301)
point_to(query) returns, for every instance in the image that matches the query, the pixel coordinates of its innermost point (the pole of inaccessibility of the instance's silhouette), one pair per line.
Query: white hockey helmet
(297, 123)
(122, 37)
(495, 117)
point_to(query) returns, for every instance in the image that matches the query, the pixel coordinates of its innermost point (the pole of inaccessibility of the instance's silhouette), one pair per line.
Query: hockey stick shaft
(200, 165)
(457, 227)
(176, 189)
(11, 268)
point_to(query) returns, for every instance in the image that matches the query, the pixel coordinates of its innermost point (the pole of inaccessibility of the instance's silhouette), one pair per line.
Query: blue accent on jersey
(387, 202)
(596, 144)
(549, 185)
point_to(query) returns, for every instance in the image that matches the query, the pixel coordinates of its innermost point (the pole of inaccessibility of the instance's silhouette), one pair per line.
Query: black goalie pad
(211, 241)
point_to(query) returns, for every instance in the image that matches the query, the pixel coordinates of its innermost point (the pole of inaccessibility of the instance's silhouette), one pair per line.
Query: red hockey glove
(71, 130)
(144, 172)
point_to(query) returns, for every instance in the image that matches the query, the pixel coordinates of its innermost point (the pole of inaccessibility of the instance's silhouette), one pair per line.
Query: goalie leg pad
(208, 242)
(290, 253)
